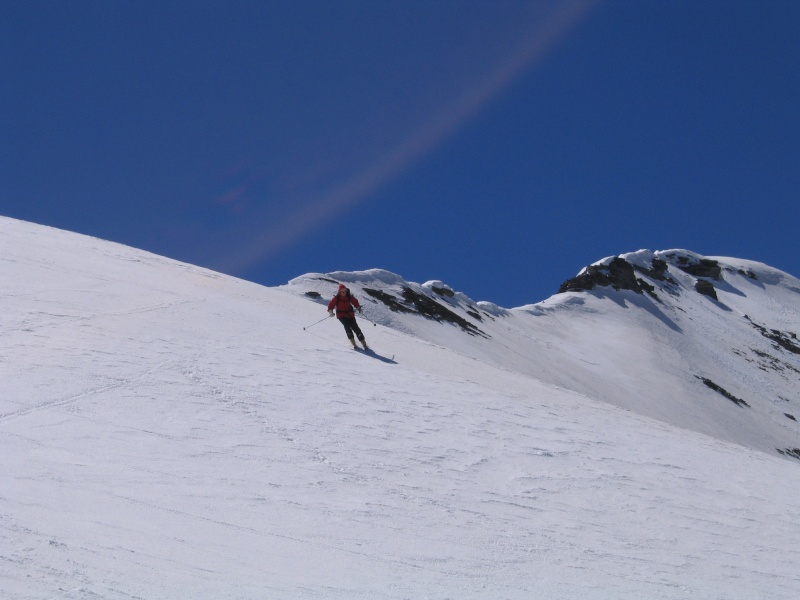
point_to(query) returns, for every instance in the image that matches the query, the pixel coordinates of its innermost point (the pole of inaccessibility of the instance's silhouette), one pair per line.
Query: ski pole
(374, 324)
(318, 322)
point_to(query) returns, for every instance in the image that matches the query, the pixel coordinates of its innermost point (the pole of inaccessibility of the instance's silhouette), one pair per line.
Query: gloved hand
(330, 312)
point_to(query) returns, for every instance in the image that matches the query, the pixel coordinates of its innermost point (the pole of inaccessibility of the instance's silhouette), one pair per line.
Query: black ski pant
(351, 326)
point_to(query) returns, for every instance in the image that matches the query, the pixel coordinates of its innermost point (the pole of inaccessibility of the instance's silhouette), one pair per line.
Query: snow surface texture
(169, 432)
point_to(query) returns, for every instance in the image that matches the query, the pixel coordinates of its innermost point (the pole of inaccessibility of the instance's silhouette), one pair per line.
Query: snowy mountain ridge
(704, 343)
(170, 432)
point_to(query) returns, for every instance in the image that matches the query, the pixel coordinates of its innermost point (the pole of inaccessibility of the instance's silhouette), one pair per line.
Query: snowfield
(169, 432)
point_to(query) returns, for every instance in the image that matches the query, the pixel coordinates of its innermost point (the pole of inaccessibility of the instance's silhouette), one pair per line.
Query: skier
(344, 303)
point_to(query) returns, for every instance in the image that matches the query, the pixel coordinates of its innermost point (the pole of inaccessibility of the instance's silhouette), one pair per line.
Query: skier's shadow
(373, 354)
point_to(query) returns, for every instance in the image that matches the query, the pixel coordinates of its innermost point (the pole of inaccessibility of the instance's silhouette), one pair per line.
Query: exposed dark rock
(433, 310)
(738, 352)
(314, 295)
(775, 364)
(658, 272)
(660, 268)
(723, 391)
(414, 302)
(646, 287)
(783, 339)
(789, 416)
(706, 288)
(443, 291)
(389, 300)
(618, 274)
(328, 280)
(793, 452)
(474, 315)
(705, 267)
(747, 273)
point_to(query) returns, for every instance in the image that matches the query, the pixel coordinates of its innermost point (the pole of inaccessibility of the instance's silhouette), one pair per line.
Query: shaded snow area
(169, 432)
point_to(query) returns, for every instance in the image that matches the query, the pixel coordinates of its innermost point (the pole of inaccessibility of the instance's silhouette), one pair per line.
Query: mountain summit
(170, 432)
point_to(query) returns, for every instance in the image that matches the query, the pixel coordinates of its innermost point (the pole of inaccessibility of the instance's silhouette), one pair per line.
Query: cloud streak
(391, 164)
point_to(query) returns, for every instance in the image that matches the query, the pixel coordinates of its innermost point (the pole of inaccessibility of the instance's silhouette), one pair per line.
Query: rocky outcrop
(443, 291)
(658, 271)
(414, 302)
(748, 273)
(723, 392)
(782, 339)
(706, 288)
(618, 274)
(393, 303)
(621, 274)
(700, 267)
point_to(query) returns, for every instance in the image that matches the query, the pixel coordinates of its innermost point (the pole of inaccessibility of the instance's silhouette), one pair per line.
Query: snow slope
(661, 349)
(169, 432)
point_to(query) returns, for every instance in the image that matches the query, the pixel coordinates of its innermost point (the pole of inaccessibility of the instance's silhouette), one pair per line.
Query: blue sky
(497, 146)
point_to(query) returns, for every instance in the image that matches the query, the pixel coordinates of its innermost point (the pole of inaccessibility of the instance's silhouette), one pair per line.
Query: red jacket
(344, 305)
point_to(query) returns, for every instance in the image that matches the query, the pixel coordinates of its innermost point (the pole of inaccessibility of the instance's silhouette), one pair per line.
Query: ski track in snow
(181, 436)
